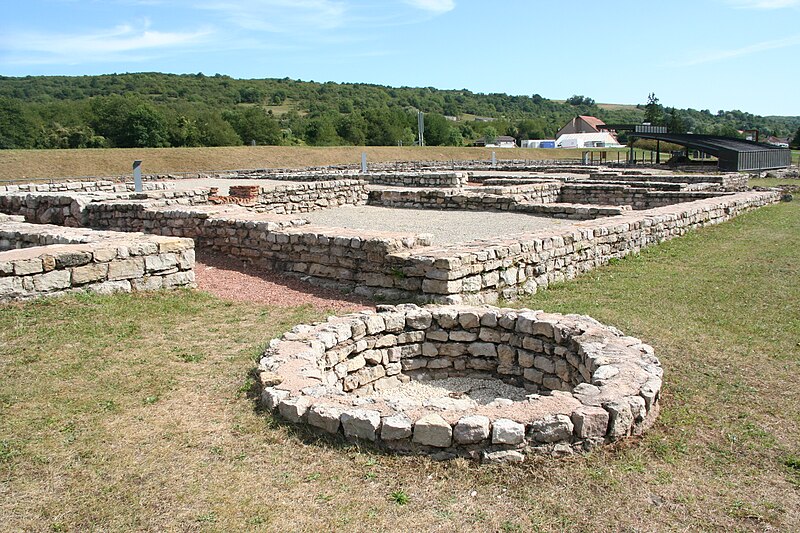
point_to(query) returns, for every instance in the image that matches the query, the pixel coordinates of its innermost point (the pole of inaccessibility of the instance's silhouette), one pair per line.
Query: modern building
(581, 124)
(501, 141)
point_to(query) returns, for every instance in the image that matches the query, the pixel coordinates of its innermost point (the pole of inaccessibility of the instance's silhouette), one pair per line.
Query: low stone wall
(482, 272)
(82, 186)
(636, 197)
(580, 384)
(44, 260)
(727, 182)
(480, 198)
(418, 179)
(305, 197)
(69, 209)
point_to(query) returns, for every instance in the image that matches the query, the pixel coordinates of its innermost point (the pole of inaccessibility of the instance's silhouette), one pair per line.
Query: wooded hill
(158, 110)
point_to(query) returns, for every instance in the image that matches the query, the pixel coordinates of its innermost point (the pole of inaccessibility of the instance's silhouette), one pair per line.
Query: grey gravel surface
(446, 226)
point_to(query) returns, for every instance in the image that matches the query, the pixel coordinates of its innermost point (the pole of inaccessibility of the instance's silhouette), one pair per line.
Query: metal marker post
(137, 176)
(363, 162)
(494, 159)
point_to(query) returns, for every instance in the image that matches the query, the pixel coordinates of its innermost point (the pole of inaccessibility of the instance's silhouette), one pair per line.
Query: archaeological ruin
(454, 378)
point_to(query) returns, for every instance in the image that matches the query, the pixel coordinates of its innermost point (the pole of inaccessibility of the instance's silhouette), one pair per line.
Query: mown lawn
(132, 413)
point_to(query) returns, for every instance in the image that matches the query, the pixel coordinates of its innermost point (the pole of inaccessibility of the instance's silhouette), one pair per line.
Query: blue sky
(706, 54)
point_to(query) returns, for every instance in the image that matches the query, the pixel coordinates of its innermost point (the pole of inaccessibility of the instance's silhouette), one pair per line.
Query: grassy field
(131, 413)
(48, 164)
(20, 164)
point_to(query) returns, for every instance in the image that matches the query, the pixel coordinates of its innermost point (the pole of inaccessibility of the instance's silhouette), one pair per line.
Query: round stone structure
(483, 382)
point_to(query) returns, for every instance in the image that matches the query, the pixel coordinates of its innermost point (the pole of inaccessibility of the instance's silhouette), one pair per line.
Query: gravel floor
(473, 390)
(446, 226)
(228, 279)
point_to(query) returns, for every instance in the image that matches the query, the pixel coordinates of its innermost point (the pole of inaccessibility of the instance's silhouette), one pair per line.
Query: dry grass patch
(132, 413)
(20, 164)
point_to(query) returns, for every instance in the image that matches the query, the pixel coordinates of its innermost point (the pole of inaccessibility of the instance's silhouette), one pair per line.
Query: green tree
(253, 124)
(144, 126)
(321, 131)
(490, 135)
(796, 140)
(16, 129)
(653, 112)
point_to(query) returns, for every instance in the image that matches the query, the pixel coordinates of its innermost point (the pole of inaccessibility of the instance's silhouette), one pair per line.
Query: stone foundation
(39, 260)
(584, 384)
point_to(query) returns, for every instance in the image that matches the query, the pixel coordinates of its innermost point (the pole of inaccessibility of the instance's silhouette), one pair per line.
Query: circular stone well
(478, 382)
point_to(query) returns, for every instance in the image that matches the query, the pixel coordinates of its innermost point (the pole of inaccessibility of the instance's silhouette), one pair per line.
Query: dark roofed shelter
(734, 155)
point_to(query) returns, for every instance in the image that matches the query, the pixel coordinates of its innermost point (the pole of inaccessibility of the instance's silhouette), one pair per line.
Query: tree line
(160, 110)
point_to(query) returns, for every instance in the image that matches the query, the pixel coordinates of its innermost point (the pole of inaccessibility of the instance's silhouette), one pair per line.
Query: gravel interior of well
(480, 391)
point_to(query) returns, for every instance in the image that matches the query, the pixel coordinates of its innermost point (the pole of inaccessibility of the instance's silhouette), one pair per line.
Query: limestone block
(396, 427)
(325, 418)
(374, 324)
(525, 359)
(270, 397)
(482, 349)
(503, 456)
(603, 374)
(590, 422)
(157, 263)
(463, 336)
(620, 418)
(489, 335)
(419, 319)
(506, 431)
(89, 273)
(72, 259)
(372, 357)
(394, 322)
(433, 430)
(439, 335)
(52, 281)
(533, 375)
(11, 287)
(469, 319)
(447, 318)
(553, 428)
(294, 410)
(179, 279)
(361, 423)
(545, 364)
(356, 363)
(110, 287)
(147, 283)
(126, 269)
(26, 267)
(471, 429)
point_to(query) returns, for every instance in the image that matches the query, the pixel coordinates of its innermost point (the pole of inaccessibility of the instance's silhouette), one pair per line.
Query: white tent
(602, 139)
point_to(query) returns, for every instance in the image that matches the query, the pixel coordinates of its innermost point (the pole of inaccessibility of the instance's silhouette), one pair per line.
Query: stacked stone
(305, 197)
(71, 209)
(637, 197)
(418, 179)
(102, 262)
(726, 182)
(483, 199)
(80, 186)
(323, 375)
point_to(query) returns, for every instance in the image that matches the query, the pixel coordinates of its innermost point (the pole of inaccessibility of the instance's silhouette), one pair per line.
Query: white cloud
(721, 55)
(101, 45)
(281, 16)
(435, 6)
(765, 4)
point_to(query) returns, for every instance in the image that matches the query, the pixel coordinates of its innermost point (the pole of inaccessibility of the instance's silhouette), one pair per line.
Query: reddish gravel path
(227, 279)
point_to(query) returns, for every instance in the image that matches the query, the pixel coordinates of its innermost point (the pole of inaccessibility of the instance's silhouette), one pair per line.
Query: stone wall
(83, 260)
(636, 197)
(481, 272)
(305, 197)
(582, 384)
(82, 186)
(727, 182)
(480, 199)
(69, 209)
(418, 179)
